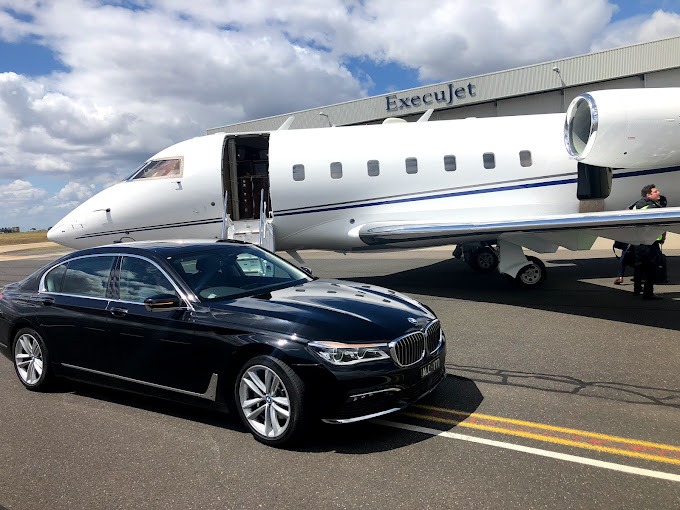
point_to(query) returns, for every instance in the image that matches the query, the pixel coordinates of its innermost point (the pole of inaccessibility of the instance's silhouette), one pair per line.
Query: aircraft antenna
(426, 116)
(286, 125)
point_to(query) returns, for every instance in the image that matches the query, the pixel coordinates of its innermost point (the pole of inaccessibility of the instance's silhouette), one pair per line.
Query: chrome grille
(411, 348)
(432, 336)
(408, 349)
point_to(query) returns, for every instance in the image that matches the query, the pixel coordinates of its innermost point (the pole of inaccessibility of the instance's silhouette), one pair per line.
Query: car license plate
(430, 368)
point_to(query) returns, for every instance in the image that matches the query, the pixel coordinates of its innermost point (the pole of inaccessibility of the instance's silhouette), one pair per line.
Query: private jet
(492, 186)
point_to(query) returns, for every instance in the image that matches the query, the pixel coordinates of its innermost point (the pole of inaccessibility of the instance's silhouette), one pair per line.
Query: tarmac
(550, 394)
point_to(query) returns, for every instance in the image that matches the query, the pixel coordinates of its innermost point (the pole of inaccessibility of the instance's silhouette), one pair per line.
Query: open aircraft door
(245, 173)
(245, 185)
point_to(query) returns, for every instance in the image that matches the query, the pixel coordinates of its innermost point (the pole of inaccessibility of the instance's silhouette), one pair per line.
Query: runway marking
(534, 451)
(646, 450)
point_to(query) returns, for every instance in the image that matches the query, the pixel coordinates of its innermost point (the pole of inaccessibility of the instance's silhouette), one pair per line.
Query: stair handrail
(227, 223)
(263, 208)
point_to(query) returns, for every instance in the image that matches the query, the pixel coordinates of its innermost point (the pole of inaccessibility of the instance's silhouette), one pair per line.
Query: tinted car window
(88, 276)
(55, 278)
(140, 279)
(235, 271)
(253, 266)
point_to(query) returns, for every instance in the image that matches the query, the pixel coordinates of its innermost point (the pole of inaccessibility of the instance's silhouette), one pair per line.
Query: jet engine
(627, 128)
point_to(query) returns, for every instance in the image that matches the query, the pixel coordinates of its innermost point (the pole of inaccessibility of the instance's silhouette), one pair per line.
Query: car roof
(164, 248)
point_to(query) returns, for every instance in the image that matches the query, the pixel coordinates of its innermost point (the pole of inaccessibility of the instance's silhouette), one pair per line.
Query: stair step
(250, 237)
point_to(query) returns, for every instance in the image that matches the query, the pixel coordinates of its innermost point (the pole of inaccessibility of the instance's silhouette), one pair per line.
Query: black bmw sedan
(225, 324)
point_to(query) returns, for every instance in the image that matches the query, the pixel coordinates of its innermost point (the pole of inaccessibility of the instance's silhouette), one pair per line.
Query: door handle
(118, 311)
(47, 301)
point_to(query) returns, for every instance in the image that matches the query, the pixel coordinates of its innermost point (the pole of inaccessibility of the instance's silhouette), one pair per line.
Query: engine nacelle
(627, 128)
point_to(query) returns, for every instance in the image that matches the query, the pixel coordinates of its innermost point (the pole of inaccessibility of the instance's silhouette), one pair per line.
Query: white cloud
(48, 132)
(639, 29)
(21, 202)
(76, 191)
(138, 81)
(19, 191)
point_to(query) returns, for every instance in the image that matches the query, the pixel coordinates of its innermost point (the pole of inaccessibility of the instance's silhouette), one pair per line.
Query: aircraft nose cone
(65, 231)
(56, 233)
(52, 234)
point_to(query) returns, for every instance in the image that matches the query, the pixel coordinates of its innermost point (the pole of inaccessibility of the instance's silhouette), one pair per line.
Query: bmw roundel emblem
(413, 321)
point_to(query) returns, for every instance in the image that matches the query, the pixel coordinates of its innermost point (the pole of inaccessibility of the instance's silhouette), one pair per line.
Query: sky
(89, 89)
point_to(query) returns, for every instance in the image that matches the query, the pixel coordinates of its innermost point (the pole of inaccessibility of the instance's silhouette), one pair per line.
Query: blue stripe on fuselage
(343, 206)
(429, 197)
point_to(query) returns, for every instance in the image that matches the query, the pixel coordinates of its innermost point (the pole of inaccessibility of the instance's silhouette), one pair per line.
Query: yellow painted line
(549, 427)
(660, 452)
(622, 468)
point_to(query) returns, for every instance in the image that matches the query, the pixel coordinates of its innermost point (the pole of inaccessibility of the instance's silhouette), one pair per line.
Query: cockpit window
(158, 168)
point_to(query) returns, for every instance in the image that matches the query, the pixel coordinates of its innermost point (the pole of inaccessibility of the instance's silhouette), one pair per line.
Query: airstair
(256, 231)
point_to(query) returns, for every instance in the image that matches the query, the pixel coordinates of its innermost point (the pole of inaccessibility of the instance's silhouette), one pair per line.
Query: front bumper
(408, 386)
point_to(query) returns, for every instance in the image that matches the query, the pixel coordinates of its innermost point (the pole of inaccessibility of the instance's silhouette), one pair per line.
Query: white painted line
(534, 451)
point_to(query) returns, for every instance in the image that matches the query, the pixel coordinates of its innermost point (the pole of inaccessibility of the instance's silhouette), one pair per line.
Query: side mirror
(163, 303)
(663, 201)
(307, 270)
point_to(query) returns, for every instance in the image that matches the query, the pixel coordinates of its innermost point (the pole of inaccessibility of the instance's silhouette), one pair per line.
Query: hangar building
(548, 87)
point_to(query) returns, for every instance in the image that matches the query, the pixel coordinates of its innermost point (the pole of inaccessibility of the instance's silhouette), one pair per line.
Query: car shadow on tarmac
(455, 393)
(459, 395)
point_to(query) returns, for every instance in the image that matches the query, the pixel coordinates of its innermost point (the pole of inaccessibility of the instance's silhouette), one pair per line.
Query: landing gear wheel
(532, 275)
(270, 400)
(484, 260)
(30, 359)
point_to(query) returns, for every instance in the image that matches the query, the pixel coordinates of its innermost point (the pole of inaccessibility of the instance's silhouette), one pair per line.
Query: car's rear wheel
(270, 400)
(30, 359)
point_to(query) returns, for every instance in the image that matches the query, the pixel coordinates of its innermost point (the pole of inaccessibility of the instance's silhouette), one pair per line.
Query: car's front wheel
(270, 398)
(30, 359)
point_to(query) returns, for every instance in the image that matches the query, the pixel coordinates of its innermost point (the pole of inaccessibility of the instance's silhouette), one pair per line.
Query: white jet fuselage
(324, 185)
(311, 213)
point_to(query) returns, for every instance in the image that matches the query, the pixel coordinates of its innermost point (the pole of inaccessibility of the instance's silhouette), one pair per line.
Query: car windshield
(227, 271)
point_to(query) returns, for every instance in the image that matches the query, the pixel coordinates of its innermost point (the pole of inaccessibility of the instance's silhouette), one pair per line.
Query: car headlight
(349, 354)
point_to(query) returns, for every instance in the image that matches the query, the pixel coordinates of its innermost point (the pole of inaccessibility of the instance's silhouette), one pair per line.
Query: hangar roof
(568, 74)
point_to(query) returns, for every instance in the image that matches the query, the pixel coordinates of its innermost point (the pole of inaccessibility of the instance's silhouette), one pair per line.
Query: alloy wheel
(264, 401)
(28, 359)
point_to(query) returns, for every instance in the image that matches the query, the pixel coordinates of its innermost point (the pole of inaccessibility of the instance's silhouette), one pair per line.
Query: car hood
(327, 310)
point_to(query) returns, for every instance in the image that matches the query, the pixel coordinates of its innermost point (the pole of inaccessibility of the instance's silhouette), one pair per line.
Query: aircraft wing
(541, 234)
